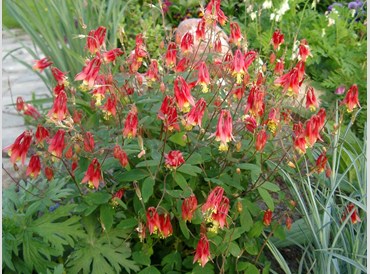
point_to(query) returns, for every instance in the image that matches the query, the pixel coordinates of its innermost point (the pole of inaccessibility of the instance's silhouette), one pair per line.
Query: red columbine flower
(203, 77)
(182, 65)
(187, 42)
(299, 139)
(201, 29)
(277, 39)
(89, 72)
(95, 39)
(267, 216)
(213, 13)
(182, 94)
(350, 209)
(321, 162)
(152, 220)
(41, 64)
(261, 140)
(56, 144)
(202, 254)
(189, 205)
(49, 174)
(313, 127)
(224, 130)
(168, 114)
(59, 109)
(218, 44)
(279, 67)
(140, 49)
(238, 93)
(121, 155)
(59, 76)
(219, 218)
(171, 53)
(109, 107)
(34, 167)
(272, 58)
(117, 196)
(18, 150)
(238, 66)
(303, 50)
(273, 120)
(89, 143)
(255, 102)
(165, 226)
(213, 201)
(288, 222)
(152, 74)
(194, 117)
(311, 101)
(41, 134)
(250, 123)
(27, 109)
(235, 34)
(93, 174)
(174, 159)
(351, 99)
(110, 56)
(292, 80)
(131, 122)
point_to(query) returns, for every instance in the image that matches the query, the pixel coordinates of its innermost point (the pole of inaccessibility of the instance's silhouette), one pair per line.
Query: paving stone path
(17, 80)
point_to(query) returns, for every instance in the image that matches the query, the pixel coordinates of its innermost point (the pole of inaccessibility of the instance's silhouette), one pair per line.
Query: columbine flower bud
(267, 216)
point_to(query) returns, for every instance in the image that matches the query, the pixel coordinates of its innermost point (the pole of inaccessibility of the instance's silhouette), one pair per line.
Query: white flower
(331, 21)
(272, 16)
(283, 9)
(267, 5)
(250, 9)
(253, 15)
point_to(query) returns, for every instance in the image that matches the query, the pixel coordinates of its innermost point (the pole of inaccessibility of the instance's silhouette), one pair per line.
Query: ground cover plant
(210, 158)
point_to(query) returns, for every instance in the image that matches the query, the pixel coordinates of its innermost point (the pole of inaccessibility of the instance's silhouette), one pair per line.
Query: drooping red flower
(168, 114)
(69, 153)
(59, 109)
(351, 99)
(18, 150)
(201, 29)
(111, 55)
(218, 44)
(182, 65)
(59, 76)
(277, 39)
(203, 77)
(273, 120)
(202, 254)
(183, 96)
(194, 117)
(152, 75)
(239, 93)
(171, 53)
(279, 67)
(187, 42)
(119, 193)
(93, 175)
(34, 166)
(152, 220)
(224, 130)
(311, 100)
(219, 217)
(267, 216)
(41, 134)
(255, 102)
(288, 222)
(89, 142)
(95, 39)
(90, 72)
(235, 34)
(213, 201)
(41, 64)
(214, 14)
(174, 159)
(250, 123)
(351, 209)
(188, 207)
(238, 66)
(120, 155)
(27, 109)
(131, 123)
(140, 49)
(110, 107)
(49, 173)
(165, 226)
(321, 162)
(272, 58)
(57, 144)
(290, 82)
(299, 139)
(303, 50)
(261, 140)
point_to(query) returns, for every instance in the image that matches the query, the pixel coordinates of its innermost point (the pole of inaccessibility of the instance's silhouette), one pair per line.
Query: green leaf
(133, 175)
(178, 138)
(171, 262)
(180, 180)
(248, 268)
(195, 159)
(184, 229)
(106, 216)
(234, 249)
(148, 163)
(246, 220)
(127, 223)
(150, 270)
(251, 246)
(256, 230)
(265, 195)
(271, 187)
(189, 169)
(147, 189)
(250, 167)
(280, 233)
(97, 198)
(141, 257)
